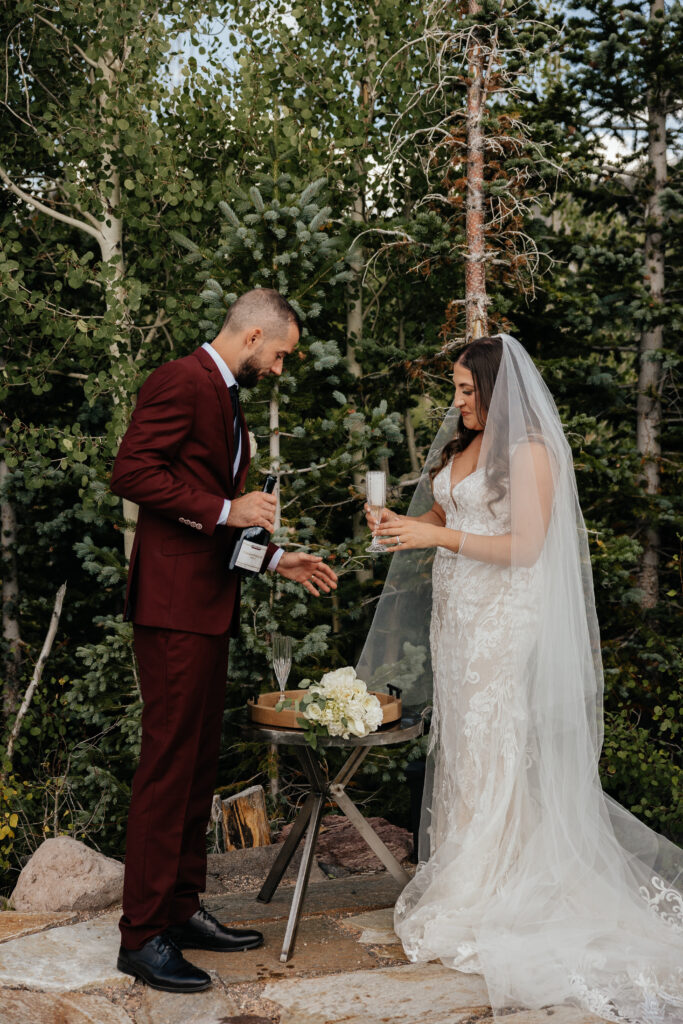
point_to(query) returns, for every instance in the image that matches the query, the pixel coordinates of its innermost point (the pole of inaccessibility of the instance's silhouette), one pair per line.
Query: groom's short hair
(261, 307)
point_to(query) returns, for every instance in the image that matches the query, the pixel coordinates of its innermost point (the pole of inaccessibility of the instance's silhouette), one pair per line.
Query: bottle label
(251, 556)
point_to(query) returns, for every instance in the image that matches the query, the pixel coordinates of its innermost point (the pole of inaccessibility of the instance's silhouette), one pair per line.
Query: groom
(184, 461)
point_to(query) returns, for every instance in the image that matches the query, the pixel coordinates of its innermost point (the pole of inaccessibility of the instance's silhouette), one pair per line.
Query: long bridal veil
(541, 882)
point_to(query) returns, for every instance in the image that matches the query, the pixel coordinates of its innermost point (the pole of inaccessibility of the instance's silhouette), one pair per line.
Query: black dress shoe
(161, 964)
(203, 931)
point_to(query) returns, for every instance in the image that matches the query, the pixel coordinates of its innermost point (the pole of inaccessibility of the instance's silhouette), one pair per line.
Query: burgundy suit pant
(183, 680)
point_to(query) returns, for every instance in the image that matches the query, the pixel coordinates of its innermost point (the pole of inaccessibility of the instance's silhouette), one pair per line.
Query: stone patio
(347, 968)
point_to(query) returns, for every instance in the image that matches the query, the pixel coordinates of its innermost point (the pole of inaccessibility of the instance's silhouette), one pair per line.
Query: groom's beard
(249, 373)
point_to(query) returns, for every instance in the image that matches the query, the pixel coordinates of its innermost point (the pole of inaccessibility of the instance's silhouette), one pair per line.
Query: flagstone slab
(376, 927)
(65, 959)
(19, 1007)
(547, 1015)
(321, 946)
(340, 895)
(212, 1006)
(413, 994)
(13, 924)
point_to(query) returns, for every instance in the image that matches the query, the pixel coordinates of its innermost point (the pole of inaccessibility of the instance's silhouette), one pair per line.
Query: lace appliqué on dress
(665, 902)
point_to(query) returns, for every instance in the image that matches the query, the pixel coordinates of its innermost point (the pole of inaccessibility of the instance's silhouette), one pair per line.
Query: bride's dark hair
(482, 358)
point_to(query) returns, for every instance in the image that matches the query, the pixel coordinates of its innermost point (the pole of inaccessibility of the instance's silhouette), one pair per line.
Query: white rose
(253, 447)
(339, 676)
(313, 712)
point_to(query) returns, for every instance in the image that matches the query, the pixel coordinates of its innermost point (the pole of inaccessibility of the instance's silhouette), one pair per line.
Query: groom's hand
(309, 570)
(253, 509)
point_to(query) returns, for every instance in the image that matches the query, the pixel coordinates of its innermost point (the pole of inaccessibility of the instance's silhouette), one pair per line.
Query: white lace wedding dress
(546, 914)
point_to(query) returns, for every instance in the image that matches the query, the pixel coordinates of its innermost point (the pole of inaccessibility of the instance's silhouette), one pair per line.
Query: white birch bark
(649, 411)
(37, 672)
(274, 423)
(107, 229)
(476, 302)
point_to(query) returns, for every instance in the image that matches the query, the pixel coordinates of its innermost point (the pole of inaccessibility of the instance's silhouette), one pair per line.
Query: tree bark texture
(11, 631)
(37, 671)
(274, 423)
(245, 820)
(356, 259)
(476, 301)
(649, 409)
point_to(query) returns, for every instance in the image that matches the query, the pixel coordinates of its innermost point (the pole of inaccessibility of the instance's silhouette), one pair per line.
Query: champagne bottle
(251, 542)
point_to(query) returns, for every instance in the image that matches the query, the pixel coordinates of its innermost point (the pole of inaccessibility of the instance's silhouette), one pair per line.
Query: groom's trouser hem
(182, 680)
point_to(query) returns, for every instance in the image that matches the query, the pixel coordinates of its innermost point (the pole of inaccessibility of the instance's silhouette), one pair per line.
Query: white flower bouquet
(339, 705)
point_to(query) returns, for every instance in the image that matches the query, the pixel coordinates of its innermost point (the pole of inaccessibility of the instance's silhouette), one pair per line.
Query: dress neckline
(454, 486)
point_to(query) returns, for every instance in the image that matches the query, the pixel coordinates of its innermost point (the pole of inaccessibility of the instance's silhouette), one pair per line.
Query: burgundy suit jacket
(176, 462)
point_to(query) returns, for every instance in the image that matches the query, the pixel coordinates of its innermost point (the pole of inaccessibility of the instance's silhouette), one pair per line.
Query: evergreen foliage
(276, 164)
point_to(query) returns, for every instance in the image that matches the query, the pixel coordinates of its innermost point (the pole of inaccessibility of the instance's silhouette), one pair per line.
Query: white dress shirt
(229, 378)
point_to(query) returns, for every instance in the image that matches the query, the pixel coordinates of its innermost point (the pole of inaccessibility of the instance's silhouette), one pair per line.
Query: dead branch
(37, 671)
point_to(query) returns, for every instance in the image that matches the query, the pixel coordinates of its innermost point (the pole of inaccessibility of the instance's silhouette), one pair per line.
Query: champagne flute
(282, 659)
(376, 494)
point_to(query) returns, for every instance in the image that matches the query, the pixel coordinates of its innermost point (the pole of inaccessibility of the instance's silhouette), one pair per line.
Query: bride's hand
(406, 532)
(387, 516)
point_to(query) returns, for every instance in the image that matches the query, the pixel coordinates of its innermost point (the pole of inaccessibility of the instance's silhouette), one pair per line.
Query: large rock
(341, 845)
(64, 874)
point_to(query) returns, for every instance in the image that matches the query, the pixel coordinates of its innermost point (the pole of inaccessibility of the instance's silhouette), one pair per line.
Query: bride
(529, 873)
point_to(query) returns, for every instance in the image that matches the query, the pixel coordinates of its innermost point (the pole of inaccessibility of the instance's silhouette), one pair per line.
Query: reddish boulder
(340, 845)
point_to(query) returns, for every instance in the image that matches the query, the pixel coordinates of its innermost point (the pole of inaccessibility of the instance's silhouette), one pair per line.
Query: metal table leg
(287, 851)
(351, 766)
(302, 878)
(347, 806)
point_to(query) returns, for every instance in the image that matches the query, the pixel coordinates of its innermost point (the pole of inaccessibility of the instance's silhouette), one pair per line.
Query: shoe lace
(167, 944)
(206, 916)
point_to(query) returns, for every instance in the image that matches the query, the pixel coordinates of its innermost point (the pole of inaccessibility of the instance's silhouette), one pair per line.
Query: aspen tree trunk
(108, 233)
(407, 422)
(354, 333)
(476, 301)
(274, 424)
(356, 259)
(651, 341)
(11, 632)
(111, 249)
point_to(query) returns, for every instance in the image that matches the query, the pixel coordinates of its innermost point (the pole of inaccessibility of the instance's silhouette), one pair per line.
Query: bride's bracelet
(463, 538)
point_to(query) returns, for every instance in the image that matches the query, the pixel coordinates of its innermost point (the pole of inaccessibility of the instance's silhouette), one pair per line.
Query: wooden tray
(263, 710)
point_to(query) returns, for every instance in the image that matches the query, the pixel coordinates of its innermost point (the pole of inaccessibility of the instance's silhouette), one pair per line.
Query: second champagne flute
(282, 659)
(376, 494)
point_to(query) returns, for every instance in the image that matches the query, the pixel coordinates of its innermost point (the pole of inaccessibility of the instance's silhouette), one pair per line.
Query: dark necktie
(235, 399)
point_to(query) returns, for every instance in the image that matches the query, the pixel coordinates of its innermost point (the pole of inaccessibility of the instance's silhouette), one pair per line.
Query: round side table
(321, 790)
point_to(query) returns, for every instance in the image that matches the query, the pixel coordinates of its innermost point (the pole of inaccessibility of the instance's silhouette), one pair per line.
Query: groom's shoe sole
(125, 969)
